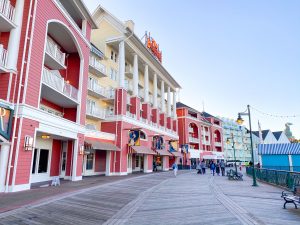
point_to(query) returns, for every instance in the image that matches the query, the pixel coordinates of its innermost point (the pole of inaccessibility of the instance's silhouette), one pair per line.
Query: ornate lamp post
(240, 122)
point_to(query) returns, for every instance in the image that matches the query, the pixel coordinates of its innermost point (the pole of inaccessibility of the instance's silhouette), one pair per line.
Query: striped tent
(279, 149)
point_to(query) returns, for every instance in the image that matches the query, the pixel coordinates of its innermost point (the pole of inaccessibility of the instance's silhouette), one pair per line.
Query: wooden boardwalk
(162, 199)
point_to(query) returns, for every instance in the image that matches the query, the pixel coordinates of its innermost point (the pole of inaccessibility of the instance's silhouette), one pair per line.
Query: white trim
(100, 135)
(19, 187)
(118, 174)
(148, 171)
(70, 20)
(77, 178)
(93, 174)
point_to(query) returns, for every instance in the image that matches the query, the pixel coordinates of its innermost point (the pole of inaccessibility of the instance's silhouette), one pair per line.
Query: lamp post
(240, 122)
(228, 142)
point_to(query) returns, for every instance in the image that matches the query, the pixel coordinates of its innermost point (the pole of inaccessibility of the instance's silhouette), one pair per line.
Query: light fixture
(240, 120)
(81, 150)
(28, 143)
(45, 136)
(228, 141)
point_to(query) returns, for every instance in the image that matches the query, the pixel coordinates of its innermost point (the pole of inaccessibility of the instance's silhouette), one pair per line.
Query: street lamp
(240, 122)
(228, 142)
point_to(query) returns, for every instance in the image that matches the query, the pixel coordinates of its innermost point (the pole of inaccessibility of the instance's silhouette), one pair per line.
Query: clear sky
(226, 54)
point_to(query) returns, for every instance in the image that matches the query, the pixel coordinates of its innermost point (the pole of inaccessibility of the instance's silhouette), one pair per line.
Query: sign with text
(153, 47)
(5, 121)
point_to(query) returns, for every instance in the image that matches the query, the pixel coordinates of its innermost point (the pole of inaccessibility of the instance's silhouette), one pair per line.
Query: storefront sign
(5, 121)
(173, 146)
(153, 47)
(185, 148)
(134, 138)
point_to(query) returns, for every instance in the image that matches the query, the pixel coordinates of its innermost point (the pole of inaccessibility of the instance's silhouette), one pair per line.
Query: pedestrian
(209, 165)
(198, 168)
(154, 166)
(202, 165)
(222, 165)
(240, 166)
(175, 168)
(212, 168)
(218, 168)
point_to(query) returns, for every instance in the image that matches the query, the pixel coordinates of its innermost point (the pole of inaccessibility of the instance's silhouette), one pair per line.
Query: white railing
(194, 140)
(110, 93)
(54, 50)
(54, 80)
(151, 99)
(93, 86)
(3, 56)
(131, 115)
(191, 130)
(7, 10)
(95, 63)
(128, 85)
(218, 144)
(96, 112)
(128, 99)
(128, 69)
(141, 93)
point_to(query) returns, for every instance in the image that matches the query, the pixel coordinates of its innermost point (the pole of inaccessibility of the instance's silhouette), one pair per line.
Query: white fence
(7, 9)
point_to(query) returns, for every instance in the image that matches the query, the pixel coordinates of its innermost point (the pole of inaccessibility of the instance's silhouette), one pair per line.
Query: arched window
(143, 135)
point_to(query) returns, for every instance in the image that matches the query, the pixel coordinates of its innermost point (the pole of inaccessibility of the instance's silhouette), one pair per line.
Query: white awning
(194, 153)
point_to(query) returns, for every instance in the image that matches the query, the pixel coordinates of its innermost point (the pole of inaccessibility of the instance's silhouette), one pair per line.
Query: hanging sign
(153, 47)
(5, 121)
(173, 146)
(158, 142)
(134, 138)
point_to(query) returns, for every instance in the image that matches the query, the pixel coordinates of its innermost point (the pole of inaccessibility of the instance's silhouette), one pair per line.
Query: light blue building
(280, 156)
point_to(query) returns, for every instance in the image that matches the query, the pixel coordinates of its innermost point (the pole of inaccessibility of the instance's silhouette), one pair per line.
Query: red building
(200, 133)
(44, 61)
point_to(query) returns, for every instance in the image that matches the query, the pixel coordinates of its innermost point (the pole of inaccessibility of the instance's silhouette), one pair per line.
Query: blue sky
(226, 54)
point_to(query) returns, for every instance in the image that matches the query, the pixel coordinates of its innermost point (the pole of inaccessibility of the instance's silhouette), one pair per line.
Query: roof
(279, 149)
(87, 13)
(277, 134)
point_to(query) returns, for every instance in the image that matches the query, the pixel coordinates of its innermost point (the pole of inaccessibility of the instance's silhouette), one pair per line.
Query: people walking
(218, 168)
(202, 165)
(175, 168)
(213, 168)
(198, 168)
(222, 165)
(154, 166)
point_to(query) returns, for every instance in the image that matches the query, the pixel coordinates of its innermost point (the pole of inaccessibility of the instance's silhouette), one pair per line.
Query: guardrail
(3, 56)
(278, 177)
(54, 50)
(7, 9)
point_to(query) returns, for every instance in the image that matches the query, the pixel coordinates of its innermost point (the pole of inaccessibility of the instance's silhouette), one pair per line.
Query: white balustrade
(3, 56)
(53, 79)
(194, 140)
(96, 63)
(96, 112)
(54, 50)
(218, 144)
(95, 87)
(7, 10)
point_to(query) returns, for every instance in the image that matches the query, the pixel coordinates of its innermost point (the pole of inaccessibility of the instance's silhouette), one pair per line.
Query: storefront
(162, 159)
(140, 159)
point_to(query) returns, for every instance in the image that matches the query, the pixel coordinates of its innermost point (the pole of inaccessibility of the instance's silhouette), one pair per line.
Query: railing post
(276, 177)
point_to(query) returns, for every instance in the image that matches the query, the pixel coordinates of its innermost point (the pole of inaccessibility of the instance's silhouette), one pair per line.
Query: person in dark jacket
(213, 167)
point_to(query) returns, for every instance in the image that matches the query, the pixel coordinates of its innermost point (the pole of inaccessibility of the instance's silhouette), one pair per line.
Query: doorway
(40, 165)
(63, 160)
(89, 164)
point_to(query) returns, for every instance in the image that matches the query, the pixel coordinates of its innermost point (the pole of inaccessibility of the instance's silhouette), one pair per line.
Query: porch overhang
(141, 150)
(93, 144)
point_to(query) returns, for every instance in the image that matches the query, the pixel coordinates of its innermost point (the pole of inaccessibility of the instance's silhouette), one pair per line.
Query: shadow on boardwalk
(162, 199)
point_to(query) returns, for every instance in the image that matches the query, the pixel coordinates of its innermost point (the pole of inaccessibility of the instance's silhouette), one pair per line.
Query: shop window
(89, 161)
(143, 135)
(112, 55)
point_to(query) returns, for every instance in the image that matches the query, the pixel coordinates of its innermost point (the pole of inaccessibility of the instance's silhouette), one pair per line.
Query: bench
(232, 175)
(292, 196)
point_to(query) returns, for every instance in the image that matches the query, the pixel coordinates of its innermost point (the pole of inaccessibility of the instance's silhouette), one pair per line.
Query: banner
(134, 138)
(158, 142)
(173, 146)
(5, 121)
(185, 148)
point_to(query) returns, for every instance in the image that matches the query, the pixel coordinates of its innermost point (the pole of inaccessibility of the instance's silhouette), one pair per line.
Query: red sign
(153, 47)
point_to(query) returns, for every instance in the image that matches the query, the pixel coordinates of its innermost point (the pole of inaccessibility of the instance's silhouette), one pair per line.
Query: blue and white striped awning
(279, 149)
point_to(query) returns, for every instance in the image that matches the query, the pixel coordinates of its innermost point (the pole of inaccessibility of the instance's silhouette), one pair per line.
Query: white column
(163, 108)
(74, 164)
(121, 64)
(174, 105)
(145, 163)
(4, 153)
(107, 164)
(135, 76)
(155, 91)
(290, 163)
(14, 37)
(146, 84)
(169, 101)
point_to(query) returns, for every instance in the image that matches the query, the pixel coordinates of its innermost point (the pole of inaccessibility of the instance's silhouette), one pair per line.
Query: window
(128, 108)
(113, 74)
(89, 161)
(143, 135)
(116, 57)
(112, 55)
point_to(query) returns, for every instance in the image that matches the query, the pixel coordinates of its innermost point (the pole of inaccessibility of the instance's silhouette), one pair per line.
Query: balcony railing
(141, 93)
(54, 50)
(55, 81)
(131, 115)
(128, 69)
(194, 140)
(96, 112)
(128, 99)
(128, 85)
(3, 56)
(98, 89)
(7, 10)
(191, 130)
(96, 64)
(218, 144)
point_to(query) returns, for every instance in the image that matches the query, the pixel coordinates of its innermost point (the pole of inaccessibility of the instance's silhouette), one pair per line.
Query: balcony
(129, 71)
(96, 67)
(95, 113)
(128, 100)
(194, 140)
(109, 95)
(141, 93)
(7, 13)
(128, 85)
(3, 59)
(57, 90)
(54, 58)
(96, 90)
(218, 144)
(131, 115)
(191, 130)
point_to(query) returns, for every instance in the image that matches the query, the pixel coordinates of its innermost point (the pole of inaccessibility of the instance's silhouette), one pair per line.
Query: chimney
(130, 25)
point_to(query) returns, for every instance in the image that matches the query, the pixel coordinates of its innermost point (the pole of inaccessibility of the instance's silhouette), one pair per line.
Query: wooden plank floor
(162, 199)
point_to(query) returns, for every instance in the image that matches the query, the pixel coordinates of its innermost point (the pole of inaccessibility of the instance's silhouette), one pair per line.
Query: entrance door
(63, 159)
(129, 163)
(41, 165)
(139, 163)
(88, 163)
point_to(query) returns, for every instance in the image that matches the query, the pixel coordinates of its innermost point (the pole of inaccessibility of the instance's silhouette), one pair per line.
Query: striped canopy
(279, 149)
